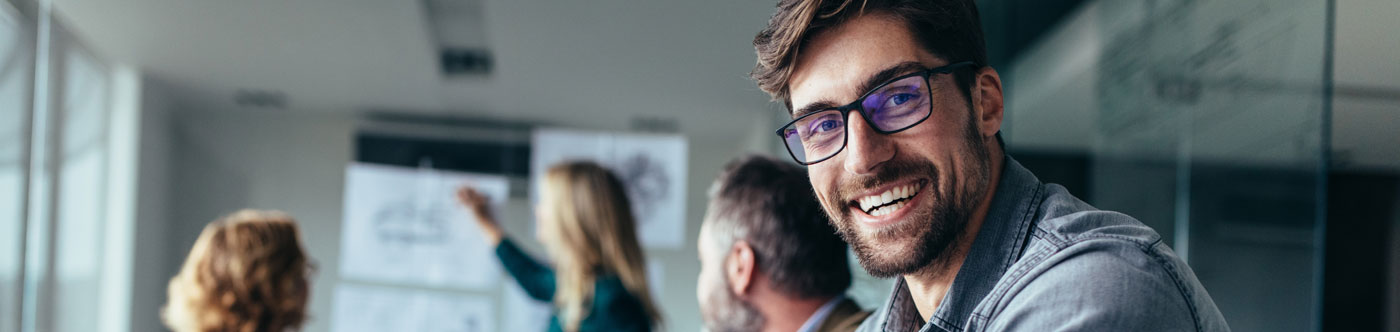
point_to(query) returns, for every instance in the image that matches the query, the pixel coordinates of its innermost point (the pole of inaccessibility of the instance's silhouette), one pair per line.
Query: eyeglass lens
(893, 107)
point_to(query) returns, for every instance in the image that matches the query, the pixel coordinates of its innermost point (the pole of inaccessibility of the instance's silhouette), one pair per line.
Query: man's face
(719, 307)
(919, 185)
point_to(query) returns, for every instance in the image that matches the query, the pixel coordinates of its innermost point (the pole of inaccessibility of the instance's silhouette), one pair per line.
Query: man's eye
(824, 125)
(900, 99)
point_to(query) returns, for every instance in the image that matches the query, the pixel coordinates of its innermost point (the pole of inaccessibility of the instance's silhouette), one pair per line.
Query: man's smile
(885, 205)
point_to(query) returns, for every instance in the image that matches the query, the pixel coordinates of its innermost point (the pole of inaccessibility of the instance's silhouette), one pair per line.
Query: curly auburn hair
(247, 272)
(949, 29)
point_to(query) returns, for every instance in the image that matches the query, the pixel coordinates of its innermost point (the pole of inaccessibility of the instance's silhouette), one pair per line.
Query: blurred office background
(1259, 137)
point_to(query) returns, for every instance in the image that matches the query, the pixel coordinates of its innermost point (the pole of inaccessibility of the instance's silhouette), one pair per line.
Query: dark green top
(613, 309)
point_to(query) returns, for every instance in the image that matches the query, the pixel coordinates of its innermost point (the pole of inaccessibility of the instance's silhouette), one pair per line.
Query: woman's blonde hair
(588, 228)
(247, 272)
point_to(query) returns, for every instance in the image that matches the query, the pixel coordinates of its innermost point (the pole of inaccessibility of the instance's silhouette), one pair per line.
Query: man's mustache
(892, 171)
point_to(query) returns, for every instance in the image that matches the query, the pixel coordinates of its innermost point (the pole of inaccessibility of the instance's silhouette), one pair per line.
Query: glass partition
(1207, 121)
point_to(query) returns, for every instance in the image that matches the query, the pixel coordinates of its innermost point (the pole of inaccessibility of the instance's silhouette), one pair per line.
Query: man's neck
(930, 284)
(782, 313)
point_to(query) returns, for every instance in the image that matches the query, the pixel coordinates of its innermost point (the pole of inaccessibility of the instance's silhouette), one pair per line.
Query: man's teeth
(868, 203)
(884, 210)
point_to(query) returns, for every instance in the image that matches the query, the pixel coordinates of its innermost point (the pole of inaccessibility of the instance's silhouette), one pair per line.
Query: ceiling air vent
(458, 29)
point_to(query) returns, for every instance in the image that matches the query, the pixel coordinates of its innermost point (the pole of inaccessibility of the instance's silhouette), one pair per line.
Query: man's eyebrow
(871, 82)
(813, 108)
(888, 73)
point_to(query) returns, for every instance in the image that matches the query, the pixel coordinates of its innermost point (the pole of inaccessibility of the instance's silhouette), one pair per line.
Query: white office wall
(149, 270)
(123, 142)
(222, 162)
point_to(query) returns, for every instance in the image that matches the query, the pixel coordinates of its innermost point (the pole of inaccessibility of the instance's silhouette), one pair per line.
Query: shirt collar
(820, 315)
(998, 244)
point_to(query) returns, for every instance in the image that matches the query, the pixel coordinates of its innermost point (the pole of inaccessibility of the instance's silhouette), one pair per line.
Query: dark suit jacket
(844, 318)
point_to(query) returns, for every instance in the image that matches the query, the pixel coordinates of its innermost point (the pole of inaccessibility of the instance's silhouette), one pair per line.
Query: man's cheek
(820, 189)
(825, 196)
(822, 179)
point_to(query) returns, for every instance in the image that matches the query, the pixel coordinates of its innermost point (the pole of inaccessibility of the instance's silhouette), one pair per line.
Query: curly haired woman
(247, 272)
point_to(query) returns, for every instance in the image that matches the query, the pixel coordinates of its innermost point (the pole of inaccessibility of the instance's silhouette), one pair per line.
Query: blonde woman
(598, 281)
(247, 272)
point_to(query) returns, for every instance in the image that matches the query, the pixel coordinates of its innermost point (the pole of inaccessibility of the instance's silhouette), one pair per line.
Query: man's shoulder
(1099, 284)
(1065, 220)
(1075, 246)
(1089, 269)
(1099, 269)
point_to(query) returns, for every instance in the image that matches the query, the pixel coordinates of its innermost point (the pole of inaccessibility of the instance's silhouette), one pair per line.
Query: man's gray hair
(770, 204)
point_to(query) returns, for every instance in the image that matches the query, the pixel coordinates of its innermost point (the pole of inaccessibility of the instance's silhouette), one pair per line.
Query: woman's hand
(480, 207)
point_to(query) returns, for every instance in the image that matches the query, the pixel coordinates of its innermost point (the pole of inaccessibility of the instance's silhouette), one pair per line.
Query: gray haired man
(770, 261)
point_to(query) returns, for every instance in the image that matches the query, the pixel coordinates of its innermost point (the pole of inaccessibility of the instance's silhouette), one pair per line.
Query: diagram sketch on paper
(652, 167)
(404, 226)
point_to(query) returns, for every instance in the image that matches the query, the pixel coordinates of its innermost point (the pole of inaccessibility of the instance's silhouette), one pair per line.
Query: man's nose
(866, 149)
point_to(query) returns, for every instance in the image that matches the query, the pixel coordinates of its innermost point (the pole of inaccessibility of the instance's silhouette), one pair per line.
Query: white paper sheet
(376, 309)
(653, 167)
(404, 226)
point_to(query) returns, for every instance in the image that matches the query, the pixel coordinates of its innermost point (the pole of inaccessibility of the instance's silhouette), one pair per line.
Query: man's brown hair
(949, 29)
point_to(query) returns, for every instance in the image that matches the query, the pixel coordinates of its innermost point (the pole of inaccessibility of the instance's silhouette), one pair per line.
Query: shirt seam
(1167, 267)
(945, 321)
(1180, 286)
(1027, 216)
(1144, 246)
(1025, 235)
(1056, 242)
(1162, 262)
(1012, 277)
(889, 306)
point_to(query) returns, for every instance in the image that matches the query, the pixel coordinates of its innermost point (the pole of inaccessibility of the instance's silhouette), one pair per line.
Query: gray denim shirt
(1046, 261)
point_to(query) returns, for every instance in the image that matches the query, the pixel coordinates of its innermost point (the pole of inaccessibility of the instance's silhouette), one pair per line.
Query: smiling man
(897, 116)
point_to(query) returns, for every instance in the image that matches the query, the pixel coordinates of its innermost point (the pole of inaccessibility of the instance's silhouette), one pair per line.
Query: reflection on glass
(1203, 119)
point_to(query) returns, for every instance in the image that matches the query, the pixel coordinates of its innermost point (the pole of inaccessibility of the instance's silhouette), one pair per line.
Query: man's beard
(924, 235)
(726, 312)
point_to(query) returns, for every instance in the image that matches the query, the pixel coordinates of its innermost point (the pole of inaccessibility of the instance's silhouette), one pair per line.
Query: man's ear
(987, 98)
(739, 268)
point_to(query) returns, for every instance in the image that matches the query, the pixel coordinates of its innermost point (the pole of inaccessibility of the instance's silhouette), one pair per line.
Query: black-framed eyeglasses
(894, 106)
